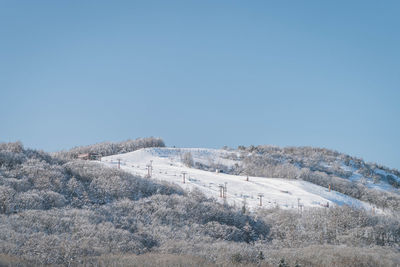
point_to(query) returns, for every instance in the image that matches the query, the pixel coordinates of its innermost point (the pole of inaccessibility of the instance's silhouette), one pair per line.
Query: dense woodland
(57, 210)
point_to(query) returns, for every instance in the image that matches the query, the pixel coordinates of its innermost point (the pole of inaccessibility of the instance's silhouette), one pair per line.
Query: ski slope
(167, 165)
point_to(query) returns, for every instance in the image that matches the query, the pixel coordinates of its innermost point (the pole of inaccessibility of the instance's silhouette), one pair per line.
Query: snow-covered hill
(286, 193)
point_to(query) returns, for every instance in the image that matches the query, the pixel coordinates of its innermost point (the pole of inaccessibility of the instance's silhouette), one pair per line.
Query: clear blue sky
(203, 74)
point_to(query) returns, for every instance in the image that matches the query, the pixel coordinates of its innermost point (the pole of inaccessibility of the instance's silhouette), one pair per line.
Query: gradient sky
(203, 74)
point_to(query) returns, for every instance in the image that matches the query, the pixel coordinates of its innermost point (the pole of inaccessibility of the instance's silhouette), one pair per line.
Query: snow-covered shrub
(187, 159)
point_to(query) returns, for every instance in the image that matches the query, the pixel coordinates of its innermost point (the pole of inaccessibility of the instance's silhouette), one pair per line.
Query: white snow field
(287, 194)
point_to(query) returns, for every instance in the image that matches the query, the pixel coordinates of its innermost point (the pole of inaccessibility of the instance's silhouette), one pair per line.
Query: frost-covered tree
(187, 159)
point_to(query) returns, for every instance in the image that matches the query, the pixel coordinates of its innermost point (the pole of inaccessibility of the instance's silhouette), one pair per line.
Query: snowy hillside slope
(288, 194)
(313, 164)
(380, 184)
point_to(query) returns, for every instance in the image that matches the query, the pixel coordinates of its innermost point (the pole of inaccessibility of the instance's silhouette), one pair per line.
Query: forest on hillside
(111, 148)
(57, 210)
